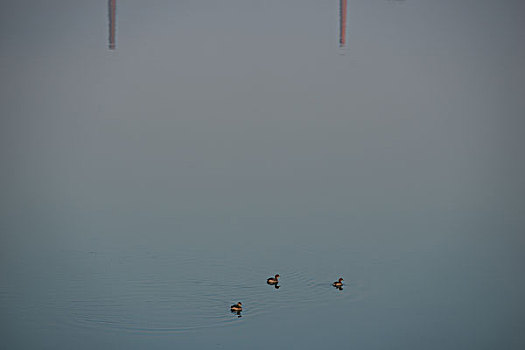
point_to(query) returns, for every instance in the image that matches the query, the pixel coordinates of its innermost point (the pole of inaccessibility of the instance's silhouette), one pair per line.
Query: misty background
(241, 125)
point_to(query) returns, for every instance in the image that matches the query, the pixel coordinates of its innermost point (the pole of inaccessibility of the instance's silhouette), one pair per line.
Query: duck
(236, 307)
(338, 283)
(273, 280)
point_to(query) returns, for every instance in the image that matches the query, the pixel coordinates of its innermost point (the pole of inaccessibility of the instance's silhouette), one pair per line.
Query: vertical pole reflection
(342, 23)
(112, 13)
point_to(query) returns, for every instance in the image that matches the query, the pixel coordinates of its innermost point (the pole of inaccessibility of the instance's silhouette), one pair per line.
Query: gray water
(146, 189)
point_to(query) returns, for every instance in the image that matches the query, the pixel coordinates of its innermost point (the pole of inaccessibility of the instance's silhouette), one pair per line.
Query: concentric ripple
(171, 293)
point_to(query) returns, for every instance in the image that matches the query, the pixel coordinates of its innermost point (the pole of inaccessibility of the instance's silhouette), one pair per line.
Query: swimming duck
(236, 307)
(273, 280)
(338, 283)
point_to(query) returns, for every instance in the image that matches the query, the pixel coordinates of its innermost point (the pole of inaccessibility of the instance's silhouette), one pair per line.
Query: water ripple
(159, 294)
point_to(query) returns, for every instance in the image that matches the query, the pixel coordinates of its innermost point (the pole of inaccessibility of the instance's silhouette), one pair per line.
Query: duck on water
(236, 307)
(273, 280)
(338, 283)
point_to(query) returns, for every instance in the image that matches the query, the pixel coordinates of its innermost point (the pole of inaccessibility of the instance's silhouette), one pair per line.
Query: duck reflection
(238, 313)
(275, 285)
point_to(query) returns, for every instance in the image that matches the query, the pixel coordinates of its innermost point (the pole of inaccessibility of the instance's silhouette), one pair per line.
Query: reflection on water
(153, 293)
(112, 16)
(342, 23)
(112, 10)
(237, 312)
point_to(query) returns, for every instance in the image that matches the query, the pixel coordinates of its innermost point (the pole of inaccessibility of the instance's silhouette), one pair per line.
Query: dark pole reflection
(112, 14)
(342, 23)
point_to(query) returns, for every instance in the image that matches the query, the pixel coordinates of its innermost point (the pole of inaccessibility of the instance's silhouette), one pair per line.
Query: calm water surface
(146, 189)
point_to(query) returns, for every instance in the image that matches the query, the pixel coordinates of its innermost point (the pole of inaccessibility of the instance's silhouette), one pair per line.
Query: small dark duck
(273, 280)
(338, 283)
(236, 307)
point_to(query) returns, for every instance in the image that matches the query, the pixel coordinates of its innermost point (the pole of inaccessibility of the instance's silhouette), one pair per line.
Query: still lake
(148, 187)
